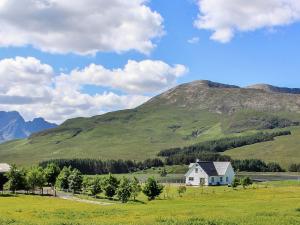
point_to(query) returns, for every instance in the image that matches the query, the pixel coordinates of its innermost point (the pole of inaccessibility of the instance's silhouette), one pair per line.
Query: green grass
(141, 133)
(119, 135)
(284, 150)
(265, 204)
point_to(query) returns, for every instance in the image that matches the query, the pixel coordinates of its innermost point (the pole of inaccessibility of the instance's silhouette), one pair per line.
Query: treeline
(294, 167)
(69, 179)
(95, 166)
(256, 165)
(186, 159)
(249, 165)
(224, 144)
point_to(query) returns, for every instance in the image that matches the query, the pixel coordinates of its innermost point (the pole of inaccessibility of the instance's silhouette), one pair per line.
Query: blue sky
(247, 52)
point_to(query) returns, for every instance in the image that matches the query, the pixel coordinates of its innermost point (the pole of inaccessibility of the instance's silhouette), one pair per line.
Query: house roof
(4, 167)
(221, 167)
(209, 168)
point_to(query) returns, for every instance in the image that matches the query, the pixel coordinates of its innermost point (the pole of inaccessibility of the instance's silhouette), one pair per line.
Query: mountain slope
(284, 150)
(187, 114)
(13, 126)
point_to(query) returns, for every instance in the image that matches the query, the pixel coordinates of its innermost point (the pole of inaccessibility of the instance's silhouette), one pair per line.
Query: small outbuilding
(209, 174)
(4, 168)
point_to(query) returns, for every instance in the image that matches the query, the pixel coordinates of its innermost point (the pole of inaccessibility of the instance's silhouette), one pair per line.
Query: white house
(209, 173)
(4, 168)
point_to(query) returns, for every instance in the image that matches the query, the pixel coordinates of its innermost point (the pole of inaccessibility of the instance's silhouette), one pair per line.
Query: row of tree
(29, 180)
(250, 165)
(256, 165)
(95, 166)
(69, 179)
(224, 144)
(294, 167)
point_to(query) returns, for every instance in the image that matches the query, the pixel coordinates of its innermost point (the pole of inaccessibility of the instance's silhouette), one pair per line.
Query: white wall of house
(194, 175)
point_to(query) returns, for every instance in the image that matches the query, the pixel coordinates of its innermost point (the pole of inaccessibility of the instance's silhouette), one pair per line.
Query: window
(221, 179)
(212, 179)
(196, 170)
(227, 179)
(191, 178)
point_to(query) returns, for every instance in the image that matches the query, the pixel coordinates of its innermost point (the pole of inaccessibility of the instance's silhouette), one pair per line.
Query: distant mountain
(270, 88)
(13, 126)
(187, 114)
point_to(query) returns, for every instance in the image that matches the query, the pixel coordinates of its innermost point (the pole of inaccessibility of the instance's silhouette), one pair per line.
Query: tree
(16, 179)
(62, 181)
(110, 186)
(152, 189)
(51, 173)
(181, 190)
(136, 188)
(35, 177)
(246, 181)
(3, 180)
(124, 190)
(235, 183)
(75, 181)
(95, 185)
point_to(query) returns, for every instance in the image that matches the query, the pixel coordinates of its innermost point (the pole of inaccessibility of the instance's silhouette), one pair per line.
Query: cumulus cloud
(33, 88)
(146, 76)
(226, 17)
(81, 26)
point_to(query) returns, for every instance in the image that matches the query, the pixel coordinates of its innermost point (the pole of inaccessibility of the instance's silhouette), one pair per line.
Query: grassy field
(284, 150)
(276, 203)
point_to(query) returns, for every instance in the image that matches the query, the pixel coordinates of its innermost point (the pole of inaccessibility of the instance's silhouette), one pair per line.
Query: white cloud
(142, 77)
(25, 78)
(81, 26)
(194, 40)
(33, 89)
(226, 17)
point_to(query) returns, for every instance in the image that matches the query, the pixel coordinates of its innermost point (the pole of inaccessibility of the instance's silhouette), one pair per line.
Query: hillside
(187, 114)
(13, 126)
(285, 150)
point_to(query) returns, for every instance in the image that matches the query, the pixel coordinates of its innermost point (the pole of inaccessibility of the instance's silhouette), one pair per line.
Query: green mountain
(187, 114)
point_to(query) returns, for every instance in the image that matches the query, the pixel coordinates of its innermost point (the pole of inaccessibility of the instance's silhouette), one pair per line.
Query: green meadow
(284, 150)
(275, 203)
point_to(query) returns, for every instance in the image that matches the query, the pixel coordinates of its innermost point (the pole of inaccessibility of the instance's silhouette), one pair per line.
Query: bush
(235, 183)
(152, 189)
(246, 181)
(181, 190)
(163, 172)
